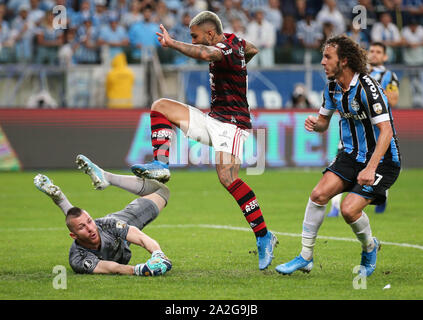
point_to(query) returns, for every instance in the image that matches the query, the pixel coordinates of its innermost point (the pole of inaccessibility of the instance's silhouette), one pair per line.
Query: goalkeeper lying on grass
(102, 245)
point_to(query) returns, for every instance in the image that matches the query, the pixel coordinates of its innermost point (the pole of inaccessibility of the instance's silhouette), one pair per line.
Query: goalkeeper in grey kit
(101, 246)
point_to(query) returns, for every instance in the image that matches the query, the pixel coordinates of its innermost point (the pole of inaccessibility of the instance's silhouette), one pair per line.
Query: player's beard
(337, 71)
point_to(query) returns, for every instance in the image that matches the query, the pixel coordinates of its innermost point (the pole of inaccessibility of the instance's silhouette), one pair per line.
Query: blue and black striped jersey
(361, 108)
(387, 78)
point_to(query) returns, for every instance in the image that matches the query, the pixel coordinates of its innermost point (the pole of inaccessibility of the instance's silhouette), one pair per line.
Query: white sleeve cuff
(381, 118)
(326, 112)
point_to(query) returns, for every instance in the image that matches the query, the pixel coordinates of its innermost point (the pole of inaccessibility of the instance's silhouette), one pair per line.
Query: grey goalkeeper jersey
(114, 246)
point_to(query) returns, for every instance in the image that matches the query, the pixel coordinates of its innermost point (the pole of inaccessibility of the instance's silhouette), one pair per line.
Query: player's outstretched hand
(153, 267)
(164, 37)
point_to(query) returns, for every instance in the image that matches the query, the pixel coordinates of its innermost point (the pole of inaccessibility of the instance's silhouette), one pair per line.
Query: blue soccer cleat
(265, 246)
(154, 170)
(298, 263)
(368, 259)
(95, 172)
(334, 212)
(380, 208)
(45, 185)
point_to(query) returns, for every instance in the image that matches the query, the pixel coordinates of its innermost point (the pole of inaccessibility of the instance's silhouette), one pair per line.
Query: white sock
(336, 201)
(361, 228)
(313, 219)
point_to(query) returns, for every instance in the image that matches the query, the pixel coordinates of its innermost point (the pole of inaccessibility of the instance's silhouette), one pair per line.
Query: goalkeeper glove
(153, 267)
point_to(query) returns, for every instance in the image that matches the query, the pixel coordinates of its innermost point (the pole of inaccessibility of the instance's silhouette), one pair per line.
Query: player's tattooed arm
(250, 51)
(198, 51)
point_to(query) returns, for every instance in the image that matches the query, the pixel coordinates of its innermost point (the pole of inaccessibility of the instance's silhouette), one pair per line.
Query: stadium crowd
(282, 29)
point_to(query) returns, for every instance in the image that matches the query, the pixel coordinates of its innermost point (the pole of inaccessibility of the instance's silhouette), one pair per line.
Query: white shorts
(224, 137)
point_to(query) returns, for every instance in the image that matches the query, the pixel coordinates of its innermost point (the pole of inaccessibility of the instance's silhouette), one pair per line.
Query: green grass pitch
(204, 233)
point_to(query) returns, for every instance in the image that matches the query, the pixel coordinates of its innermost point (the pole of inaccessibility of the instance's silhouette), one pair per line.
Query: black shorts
(347, 168)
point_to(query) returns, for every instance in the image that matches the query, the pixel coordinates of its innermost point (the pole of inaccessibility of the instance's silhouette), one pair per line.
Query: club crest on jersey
(354, 105)
(377, 107)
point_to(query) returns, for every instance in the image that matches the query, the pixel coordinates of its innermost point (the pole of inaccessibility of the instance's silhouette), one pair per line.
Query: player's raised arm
(196, 51)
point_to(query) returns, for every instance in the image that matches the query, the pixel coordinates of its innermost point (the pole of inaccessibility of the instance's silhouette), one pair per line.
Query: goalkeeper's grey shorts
(138, 213)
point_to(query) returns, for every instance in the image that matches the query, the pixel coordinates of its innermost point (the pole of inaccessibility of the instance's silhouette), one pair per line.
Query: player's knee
(348, 212)
(319, 197)
(164, 192)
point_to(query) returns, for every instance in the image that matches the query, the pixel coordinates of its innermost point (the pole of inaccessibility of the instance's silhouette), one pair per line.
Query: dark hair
(346, 48)
(73, 212)
(379, 44)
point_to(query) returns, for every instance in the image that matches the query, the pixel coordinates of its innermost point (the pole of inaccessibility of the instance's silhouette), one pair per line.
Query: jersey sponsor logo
(162, 134)
(227, 52)
(350, 115)
(377, 107)
(251, 206)
(372, 87)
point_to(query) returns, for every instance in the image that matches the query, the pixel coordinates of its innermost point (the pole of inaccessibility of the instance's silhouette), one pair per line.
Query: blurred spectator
(330, 13)
(23, 34)
(35, 14)
(133, 15)
(273, 14)
(6, 42)
(263, 35)
(346, 9)
(227, 13)
(142, 35)
(299, 98)
(66, 52)
(309, 32)
(327, 31)
(287, 36)
(181, 32)
(193, 7)
(386, 32)
(412, 39)
(251, 6)
(100, 17)
(82, 15)
(358, 35)
(87, 50)
(114, 36)
(236, 27)
(412, 36)
(413, 9)
(119, 83)
(119, 7)
(48, 41)
(300, 8)
(164, 16)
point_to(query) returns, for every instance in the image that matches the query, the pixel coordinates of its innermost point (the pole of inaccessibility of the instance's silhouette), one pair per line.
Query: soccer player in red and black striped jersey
(224, 128)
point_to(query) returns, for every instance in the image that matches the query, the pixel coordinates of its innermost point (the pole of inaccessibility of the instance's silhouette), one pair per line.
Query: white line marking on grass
(297, 235)
(213, 226)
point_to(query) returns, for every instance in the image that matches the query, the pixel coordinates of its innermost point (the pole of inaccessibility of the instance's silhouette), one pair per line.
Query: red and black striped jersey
(228, 82)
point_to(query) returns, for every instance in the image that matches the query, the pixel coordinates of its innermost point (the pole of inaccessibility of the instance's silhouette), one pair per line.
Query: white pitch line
(212, 226)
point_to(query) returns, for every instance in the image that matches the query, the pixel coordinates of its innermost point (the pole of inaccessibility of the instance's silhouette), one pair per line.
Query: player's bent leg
(352, 211)
(328, 186)
(45, 185)
(96, 174)
(164, 114)
(227, 168)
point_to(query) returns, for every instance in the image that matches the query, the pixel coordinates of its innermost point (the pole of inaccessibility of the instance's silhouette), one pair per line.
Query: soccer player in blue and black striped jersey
(370, 161)
(389, 82)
